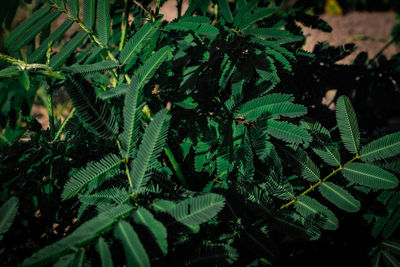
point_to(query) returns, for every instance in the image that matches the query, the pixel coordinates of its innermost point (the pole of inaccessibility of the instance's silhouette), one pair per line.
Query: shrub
(181, 148)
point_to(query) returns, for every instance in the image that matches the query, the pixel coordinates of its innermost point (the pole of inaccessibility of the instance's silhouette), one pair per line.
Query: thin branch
(312, 188)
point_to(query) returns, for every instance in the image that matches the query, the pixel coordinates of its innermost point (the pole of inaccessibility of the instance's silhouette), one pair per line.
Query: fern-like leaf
(274, 105)
(288, 132)
(134, 96)
(8, 211)
(340, 197)
(198, 24)
(369, 175)
(309, 170)
(117, 91)
(25, 25)
(73, 6)
(347, 123)
(67, 50)
(134, 251)
(225, 10)
(81, 236)
(103, 25)
(89, 13)
(53, 37)
(92, 171)
(136, 43)
(91, 109)
(104, 253)
(150, 148)
(382, 148)
(30, 34)
(144, 217)
(308, 206)
(260, 13)
(88, 68)
(198, 210)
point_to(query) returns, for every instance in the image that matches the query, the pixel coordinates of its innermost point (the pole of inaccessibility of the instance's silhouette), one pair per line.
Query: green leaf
(67, 50)
(272, 105)
(288, 132)
(134, 97)
(79, 258)
(392, 224)
(150, 148)
(135, 253)
(81, 236)
(369, 175)
(103, 25)
(89, 13)
(9, 72)
(393, 246)
(53, 37)
(92, 171)
(143, 216)
(347, 123)
(38, 26)
(117, 91)
(88, 68)
(65, 260)
(197, 210)
(340, 197)
(7, 214)
(73, 6)
(260, 13)
(104, 253)
(389, 259)
(308, 206)
(330, 155)
(21, 29)
(136, 43)
(309, 170)
(382, 148)
(91, 109)
(225, 10)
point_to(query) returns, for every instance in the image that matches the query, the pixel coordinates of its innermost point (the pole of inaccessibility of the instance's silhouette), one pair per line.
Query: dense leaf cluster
(184, 145)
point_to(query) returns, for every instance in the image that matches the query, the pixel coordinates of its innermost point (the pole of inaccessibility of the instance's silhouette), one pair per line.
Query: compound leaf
(369, 175)
(347, 123)
(340, 197)
(134, 251)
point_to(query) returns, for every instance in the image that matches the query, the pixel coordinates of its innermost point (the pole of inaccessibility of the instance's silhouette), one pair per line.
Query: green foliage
(8, 211)
(189, 142)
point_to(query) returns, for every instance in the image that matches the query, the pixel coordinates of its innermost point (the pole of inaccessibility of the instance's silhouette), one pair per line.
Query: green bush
(182, 147)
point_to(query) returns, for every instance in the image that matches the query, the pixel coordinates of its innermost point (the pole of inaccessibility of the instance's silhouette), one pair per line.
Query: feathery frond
(91, 109)
(144, 217)
(55, 36)
(8, 211)
(382, 148)
(25, 25)
(308, 206)
(340, 197)
(369, 175)
(67, 50)
(134, 95)
(92, 171)
(150, 148)
(103, 23)
(104, 253)
(88, 68)
(136, 43)
(197, 210)
(134, 251)
(89, 13)
(288, 132)
(347, 123)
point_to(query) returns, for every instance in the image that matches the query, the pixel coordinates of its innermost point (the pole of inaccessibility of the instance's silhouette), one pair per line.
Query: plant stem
(320, 182)
(64, 124)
